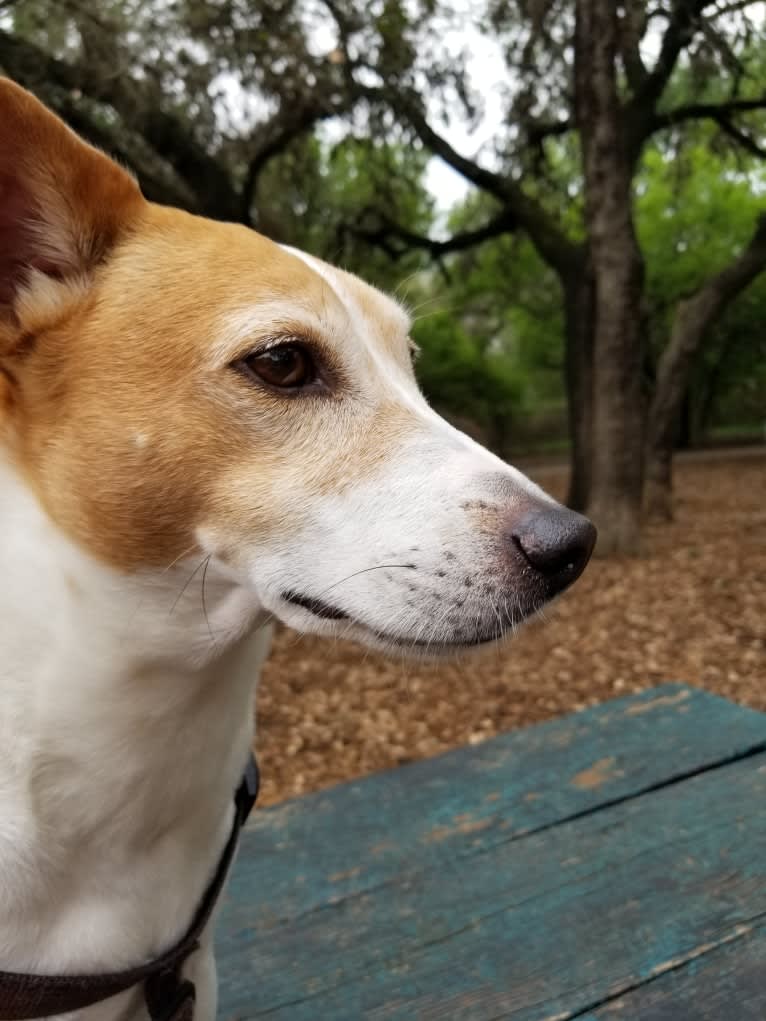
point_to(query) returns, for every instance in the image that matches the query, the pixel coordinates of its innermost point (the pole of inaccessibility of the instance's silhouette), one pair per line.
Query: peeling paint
(654, 703)
(596, 775)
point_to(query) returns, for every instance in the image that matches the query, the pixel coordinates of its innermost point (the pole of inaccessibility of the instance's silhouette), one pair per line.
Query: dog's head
(172, 387)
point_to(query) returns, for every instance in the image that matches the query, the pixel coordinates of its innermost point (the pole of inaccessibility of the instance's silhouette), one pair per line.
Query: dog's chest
(120, 756)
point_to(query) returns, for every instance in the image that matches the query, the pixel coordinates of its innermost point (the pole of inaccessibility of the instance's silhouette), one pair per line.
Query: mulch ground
(692, 608)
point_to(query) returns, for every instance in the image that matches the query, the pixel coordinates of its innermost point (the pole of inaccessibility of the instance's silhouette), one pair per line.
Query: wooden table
(608, 865)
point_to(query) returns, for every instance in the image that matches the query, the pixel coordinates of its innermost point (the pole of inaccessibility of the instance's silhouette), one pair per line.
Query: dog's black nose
(556, 542)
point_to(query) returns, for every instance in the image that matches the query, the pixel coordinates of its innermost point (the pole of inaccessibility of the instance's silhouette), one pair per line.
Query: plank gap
(624, 799)
(489, 846)
(743, 930)
(471, 852)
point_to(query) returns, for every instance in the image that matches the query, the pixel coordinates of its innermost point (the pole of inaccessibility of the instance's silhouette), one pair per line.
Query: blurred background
(570, 197)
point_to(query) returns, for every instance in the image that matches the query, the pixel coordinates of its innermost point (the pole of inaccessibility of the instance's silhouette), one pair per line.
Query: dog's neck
(126, 708)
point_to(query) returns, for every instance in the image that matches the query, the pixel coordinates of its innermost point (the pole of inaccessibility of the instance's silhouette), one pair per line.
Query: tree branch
(732, 8)
(678, 35)
(538, 131)
(642, 120)
(751, 261)
(203, 181)
(158, 181)
(694, 317)
(700, 111)
(632, 25)
(273, 138)
(140, 110)
(562, 254)
(553, 244)
(722, 114)
(742, 139)
(382, 236)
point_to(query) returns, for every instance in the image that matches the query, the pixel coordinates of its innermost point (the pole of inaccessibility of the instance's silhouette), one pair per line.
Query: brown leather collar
(169, 997)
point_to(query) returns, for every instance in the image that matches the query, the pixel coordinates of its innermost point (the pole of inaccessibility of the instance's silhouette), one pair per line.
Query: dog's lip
(326, 611)
(316, 606)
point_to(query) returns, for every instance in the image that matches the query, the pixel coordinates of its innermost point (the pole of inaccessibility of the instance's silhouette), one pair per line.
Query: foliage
(694, 214)
(196, 96)
(695, 211)
(221, 107)
(311, 194)
(475, 387)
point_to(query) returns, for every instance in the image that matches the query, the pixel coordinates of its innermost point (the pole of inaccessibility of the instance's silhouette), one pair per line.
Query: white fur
(124, 728)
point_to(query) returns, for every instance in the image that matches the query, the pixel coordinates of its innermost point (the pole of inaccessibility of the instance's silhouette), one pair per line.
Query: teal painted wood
(313, 850)
(533, 929)
(454, 888)
(725, 984)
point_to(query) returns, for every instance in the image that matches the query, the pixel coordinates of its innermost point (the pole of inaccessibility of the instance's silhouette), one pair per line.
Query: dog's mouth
(326, 611)
(316, 606)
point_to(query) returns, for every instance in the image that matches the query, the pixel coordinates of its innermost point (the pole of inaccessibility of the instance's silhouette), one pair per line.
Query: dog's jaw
(107, 683)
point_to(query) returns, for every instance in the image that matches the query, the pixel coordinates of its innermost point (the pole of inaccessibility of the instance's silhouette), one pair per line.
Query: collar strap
(168, 996)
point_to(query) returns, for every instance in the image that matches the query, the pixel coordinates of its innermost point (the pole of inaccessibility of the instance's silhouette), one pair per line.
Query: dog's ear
(63, 204)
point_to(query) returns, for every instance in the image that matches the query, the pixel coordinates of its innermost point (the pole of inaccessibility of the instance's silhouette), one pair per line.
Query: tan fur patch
(120, 403)
(132, 356)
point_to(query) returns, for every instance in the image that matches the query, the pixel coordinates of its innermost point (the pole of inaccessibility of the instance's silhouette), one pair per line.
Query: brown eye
(288, 366)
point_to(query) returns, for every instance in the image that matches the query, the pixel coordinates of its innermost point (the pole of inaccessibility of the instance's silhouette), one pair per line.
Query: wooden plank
(535, 929)
(319, 849)
(724, 984)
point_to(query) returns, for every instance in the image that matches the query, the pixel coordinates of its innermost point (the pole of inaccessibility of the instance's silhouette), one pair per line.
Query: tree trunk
(618, 405)
(693, 318)
(658, 492)
(686, 432)
(579, 298)
(712, 383)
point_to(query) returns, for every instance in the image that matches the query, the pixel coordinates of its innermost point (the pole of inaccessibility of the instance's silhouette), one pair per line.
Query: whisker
(186, 585)
(180, 556)
(426, 301)
(404, 282)
(425, 315)
(204, 603)
(366, 570)
(144, 595)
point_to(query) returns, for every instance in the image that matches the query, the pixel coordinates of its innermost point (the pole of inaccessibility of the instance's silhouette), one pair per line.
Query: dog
(201, 431)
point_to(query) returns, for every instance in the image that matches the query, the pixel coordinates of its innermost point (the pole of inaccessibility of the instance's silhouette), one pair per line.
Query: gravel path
(692, 609)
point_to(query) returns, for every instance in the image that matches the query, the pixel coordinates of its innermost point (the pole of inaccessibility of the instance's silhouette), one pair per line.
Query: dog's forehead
(245, 286)
(367, 307)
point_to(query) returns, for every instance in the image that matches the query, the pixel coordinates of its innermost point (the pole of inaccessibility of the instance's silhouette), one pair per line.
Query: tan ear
(63, 204)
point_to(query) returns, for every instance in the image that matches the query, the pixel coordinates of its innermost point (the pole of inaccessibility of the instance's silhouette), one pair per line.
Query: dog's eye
(287, 366)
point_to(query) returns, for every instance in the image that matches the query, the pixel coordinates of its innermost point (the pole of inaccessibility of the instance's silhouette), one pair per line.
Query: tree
(617, 268)
(499, 302)
(696, 211)
(196, 97)
(582, 70)
(201, 97)
(314, 190)
(693, 320)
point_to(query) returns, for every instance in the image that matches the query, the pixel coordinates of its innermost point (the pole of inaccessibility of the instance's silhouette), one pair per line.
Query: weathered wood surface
(727, 982)
(556, 872)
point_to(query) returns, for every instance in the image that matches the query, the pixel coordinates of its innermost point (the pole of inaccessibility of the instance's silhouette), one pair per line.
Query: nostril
(556, 542)
(547, 561)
